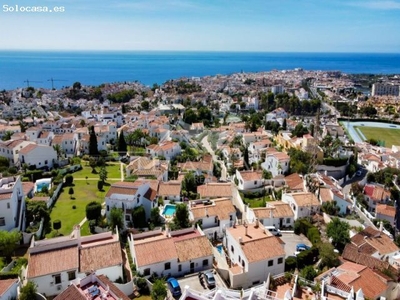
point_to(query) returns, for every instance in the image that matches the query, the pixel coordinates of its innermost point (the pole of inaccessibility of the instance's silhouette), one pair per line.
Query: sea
(63, 68)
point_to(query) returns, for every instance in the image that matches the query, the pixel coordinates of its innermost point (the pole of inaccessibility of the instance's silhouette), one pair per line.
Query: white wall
(39, 156)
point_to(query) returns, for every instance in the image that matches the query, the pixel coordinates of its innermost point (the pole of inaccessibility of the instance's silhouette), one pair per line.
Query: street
(215, 158)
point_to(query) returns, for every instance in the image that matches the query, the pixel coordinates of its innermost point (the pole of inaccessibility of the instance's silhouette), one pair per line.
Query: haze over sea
(94, 68)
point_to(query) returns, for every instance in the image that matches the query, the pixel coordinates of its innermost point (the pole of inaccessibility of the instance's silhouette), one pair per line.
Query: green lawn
(112, 169)
(389, 136)
(256, 202)
(84, 192)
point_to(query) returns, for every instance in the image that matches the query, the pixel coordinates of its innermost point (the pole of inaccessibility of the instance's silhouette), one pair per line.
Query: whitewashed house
(375, 194)
(54, 263)
(12, 204)
(251, 262)
(170, 191)
(128, 195)
(166, 149)
(303, 204)
(214, 215)
(39, 156)
(67, 141)
(171, 253)
(276, 213)
(249, 180)
(10, 149)
(9, 288)
(277, 163)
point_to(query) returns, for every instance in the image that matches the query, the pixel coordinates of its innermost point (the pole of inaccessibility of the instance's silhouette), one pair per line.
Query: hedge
(334, 162)
(8, 275)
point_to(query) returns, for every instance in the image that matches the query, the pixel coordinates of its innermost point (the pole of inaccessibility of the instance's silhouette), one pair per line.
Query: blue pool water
(219, 248)
(169, 210)
(41, 185)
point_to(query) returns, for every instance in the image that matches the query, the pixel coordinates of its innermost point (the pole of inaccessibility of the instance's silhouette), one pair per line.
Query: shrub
(290, 264)
(314, 236)
(69, 179)
(93, 210)
(73, 206)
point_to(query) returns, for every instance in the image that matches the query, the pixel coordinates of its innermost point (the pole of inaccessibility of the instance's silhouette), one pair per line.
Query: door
(192, 267)
(280, 222)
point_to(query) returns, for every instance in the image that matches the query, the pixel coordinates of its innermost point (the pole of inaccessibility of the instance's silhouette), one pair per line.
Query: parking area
(194, 282)
(291, 240)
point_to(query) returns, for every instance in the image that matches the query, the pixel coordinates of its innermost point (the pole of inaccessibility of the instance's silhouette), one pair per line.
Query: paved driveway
(194, 283)
(291, 240)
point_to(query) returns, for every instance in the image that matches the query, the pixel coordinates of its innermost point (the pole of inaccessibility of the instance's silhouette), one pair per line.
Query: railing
(333, 290)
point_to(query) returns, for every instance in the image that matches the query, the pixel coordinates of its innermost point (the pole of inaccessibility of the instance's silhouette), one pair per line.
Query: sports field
(388, 135)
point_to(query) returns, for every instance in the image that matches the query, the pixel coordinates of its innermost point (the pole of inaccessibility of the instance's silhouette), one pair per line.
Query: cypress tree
(93, 150)
(122, 143)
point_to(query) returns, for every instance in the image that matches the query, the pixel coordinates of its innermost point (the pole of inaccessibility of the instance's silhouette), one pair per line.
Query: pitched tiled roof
(54, 261)
(215, 190)
(352, 254)
(28, 148)
(294, 182)
(101, 256)
(278, 209)
(193, 248)
(375, 239)
(122, 188)
(252, 249)
(72, 292)
(305, 199)
(169, 188)
(113, 288)
(386, 210)
(148, 253)
(251, 175)
(5, 284)
(222, 208)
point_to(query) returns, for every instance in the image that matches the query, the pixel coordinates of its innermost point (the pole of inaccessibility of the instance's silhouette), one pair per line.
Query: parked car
(174, 287)
(273, 230)
(302, 247)
(210, 279)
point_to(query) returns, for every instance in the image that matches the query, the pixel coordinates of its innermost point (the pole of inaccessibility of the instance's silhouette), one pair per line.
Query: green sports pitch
(388, 136)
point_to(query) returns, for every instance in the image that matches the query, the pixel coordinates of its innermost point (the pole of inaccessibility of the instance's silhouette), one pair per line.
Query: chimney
(240, 240)
(380, 227)
(257, 224)
(206, 212)
(77, 233)
(271, 215)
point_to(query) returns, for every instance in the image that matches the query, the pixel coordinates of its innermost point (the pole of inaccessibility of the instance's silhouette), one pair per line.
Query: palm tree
(58, 149)
(7, 135)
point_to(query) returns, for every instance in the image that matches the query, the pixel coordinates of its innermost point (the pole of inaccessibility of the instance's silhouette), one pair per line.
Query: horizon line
(194, 51)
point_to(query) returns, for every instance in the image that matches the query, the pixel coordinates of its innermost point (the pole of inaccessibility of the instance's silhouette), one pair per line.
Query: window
(2, 222)
(45, 162)
(240, 259)
(146, 272)
(280, 260)
(232, 249)
(57, 278)
(270, 263)
(8, 205)
(179, 268)
(243, 264)
(205, 262)
(71, 275)
(255, 182)
(108, 207)
(167, 266)
(127, 217)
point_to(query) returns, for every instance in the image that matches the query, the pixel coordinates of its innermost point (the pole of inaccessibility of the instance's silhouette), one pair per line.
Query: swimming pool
(169, 210)
(41, 183)
(219, 248)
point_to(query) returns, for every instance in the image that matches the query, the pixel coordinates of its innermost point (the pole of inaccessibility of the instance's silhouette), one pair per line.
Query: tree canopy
(93, 150)
(181, 217)
(338, 231)
(116, 218)
(8, 242)
(159, 290)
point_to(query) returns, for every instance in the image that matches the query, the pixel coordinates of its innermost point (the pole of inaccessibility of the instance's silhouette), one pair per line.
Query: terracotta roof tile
(101, 256)
(113, 288)
(222, 208)
(51, 262)
(149, 253)
(375, 239)
(5, 284)
(294, 182)
(386, 210)
(169, 189)
(194, 248)
(72, 292)
(215, 190)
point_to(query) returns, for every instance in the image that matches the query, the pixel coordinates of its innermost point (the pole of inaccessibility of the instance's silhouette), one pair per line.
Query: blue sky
(205, 25)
